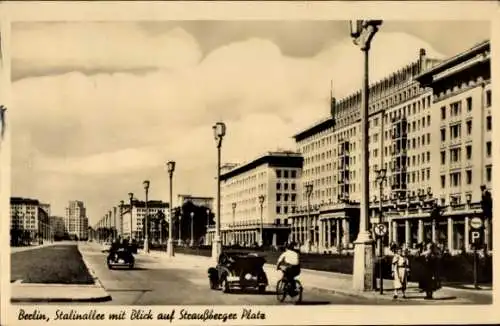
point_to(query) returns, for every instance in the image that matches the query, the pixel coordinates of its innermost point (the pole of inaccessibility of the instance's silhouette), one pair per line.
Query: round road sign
(380, 229)
(476, 223)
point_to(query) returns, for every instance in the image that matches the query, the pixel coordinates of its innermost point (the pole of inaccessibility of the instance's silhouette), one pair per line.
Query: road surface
(155, 281)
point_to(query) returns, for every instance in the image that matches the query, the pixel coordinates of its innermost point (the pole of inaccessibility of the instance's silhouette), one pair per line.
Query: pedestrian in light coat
(400, 270)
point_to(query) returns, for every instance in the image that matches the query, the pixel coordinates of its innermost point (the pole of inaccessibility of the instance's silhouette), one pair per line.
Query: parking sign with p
(476, 233)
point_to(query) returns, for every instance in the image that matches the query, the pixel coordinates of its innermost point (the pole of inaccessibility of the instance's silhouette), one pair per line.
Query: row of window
(413, 143)
(285, 209)
(286, 174)
(413, 177)
(456, 129)
(285, 197)
(456, 107)
(455, 178)
(456, 153)
(285, 186)
(455, 132)
(455, 110)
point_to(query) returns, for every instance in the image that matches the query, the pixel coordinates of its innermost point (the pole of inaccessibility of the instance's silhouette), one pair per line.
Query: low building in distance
(275, 178)
(131, 221)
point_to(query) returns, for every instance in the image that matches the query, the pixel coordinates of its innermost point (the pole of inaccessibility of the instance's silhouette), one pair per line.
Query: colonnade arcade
(250, 235)
(333, 229)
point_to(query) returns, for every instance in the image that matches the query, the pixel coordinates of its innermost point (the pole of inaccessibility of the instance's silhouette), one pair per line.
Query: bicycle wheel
(298, 295)
(280, 291)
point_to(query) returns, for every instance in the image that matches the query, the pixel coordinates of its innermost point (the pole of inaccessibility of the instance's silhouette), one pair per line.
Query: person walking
(400, 270)
(429, 280)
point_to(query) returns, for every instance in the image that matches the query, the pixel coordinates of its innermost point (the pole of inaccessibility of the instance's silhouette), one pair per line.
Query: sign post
(476, 238)
(380, 231)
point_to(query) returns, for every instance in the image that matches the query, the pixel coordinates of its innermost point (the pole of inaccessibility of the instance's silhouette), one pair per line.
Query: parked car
(238, 270)
(122, 256)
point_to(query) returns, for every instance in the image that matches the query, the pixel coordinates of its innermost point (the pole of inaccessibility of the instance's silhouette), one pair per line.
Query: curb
(97, 285)
(92, 273)
(51, 300)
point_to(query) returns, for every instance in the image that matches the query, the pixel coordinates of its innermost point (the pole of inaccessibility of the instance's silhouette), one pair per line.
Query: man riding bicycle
(289, 263)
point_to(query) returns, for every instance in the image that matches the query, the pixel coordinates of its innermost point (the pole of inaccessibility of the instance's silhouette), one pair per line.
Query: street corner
(49, 293)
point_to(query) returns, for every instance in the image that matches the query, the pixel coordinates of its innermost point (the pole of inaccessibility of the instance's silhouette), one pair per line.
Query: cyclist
(289, 264)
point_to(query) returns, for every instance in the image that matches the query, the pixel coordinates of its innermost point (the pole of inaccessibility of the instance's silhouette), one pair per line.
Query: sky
(100, 107)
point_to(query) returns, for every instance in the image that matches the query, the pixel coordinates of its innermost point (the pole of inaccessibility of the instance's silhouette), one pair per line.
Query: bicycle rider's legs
(290, 273)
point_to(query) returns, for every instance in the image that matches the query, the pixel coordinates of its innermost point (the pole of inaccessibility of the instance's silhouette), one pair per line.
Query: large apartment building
(58, 227)
(76, 221)
(275, 178)
(421, 134)
(29, 221)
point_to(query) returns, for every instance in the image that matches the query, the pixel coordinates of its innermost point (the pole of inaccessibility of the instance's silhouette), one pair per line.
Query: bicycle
(283, 289)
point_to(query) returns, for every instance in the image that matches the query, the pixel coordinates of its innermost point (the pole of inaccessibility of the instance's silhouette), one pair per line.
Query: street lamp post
(179, 240)
(208, 227)
(362, 32)
(121, 218)
(219, 130)
(110, 220)
(261, 202)
(146, 217)
(234, 225)
(131, 198)
(191, 243)
(381, 175)
(160, 226)
(309, 191)
(170, 243)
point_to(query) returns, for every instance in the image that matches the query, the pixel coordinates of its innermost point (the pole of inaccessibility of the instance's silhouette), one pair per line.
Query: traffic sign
(476, 223)
(476, 237)
(380, 229)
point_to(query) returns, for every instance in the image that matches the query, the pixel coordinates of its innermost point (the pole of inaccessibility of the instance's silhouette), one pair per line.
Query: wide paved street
(154, 282)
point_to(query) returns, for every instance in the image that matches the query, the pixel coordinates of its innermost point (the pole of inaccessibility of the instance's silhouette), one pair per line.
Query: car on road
(243, 270)
(121, 257)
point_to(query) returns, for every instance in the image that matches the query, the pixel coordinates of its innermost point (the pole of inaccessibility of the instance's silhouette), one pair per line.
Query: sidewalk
(342, 283)
(46, 293)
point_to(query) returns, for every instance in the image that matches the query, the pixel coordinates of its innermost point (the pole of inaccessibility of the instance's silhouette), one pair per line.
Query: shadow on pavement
(251, 291)
(433, 299)
(312, 303)
(125, 268)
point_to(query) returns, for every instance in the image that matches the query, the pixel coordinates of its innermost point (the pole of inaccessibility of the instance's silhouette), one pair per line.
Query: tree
(199, 220)
(486, 203)
(436, 212)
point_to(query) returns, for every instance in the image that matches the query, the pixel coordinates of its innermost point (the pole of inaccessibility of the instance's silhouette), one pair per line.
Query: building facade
(57, 226)
(29, 221)
(76, 221)
(131, 221)
(462, 127)
(408, 135)
(275, 178)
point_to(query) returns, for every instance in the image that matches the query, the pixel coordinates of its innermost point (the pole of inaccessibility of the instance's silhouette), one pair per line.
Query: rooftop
(427, 76)
(391, 79)
(21, 200)
(282, 158)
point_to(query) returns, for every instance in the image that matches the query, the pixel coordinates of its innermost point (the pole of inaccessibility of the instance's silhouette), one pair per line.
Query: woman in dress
(400, 270)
